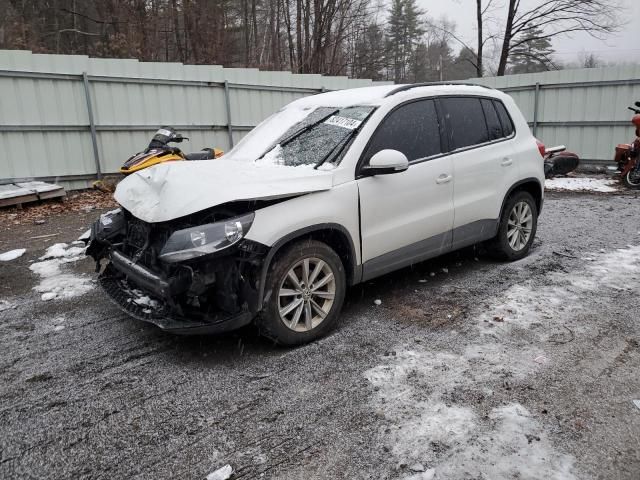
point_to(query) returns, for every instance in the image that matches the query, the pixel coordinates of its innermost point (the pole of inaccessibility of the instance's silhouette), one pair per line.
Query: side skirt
(432, 247)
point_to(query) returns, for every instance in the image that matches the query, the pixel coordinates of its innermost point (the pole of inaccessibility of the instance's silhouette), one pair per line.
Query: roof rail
(403, 88)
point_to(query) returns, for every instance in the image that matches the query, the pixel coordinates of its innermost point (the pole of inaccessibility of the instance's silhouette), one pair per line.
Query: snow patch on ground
(418, 390)
(453, 440)
(55, 282)
(417, 422)
(221, 474)
(57, 324)
(581, 184)
(12, 254)
(525, 305)
(515, 446)
(63, 250)
(6, 305)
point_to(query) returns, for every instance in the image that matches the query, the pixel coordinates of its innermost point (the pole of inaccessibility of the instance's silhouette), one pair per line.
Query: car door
(481, 162)
(406, 217)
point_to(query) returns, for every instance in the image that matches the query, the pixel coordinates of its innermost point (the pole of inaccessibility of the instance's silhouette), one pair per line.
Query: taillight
(541, 148)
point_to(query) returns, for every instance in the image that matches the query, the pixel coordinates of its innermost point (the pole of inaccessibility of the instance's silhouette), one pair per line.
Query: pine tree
(533, 54)
(369, 59)
(404, 30)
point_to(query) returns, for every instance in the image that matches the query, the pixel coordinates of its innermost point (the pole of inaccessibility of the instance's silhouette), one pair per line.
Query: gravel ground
(482, 370)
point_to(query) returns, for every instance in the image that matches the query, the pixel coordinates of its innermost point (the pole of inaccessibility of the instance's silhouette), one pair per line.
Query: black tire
(269, 322)
(499, 247)
(631, 179)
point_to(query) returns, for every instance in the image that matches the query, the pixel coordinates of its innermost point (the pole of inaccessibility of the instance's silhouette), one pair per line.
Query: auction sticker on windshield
(343, 122)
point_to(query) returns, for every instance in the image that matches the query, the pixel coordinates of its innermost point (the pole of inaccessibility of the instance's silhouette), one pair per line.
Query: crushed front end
(196, 274)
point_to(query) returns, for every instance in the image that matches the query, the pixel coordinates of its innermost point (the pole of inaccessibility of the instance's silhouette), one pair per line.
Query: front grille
(121, 293)
(144, 242)
(138, 234)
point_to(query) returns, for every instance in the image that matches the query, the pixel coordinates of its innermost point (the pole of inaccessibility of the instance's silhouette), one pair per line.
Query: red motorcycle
(627, 155)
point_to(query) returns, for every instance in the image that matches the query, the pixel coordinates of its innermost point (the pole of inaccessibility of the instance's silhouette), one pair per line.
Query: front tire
(517, 229)
(304, 294)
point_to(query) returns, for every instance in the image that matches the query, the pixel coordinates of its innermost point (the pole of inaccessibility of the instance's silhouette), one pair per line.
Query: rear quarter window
(493, 122)
(505, 119)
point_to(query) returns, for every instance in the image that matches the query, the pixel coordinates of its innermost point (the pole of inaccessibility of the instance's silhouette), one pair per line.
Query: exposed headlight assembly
(205, 239)
(109, 224)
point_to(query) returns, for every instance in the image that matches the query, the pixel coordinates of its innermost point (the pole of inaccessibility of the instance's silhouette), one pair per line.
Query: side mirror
(386, 162)
(638, 104)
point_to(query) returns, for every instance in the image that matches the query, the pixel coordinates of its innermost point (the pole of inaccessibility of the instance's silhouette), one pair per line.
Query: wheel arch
(530, 185)
(334, 235)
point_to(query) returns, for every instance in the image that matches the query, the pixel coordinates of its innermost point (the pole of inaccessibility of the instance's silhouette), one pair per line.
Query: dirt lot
(469, 369)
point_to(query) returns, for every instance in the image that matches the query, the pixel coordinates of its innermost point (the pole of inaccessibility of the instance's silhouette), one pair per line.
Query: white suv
(332, 190)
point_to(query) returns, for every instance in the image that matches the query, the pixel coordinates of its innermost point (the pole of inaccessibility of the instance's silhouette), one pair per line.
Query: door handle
(444, 178)
(506, 162)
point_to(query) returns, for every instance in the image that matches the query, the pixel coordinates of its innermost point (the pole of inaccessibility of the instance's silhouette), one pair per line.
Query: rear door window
(466, 125)
(493, 122)
(412, 129)
(505, 119)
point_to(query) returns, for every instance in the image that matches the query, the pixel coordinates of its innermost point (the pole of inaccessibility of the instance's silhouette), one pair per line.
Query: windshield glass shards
(319, 138)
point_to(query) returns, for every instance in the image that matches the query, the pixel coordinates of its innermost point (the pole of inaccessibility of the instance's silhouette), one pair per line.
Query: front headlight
(109, 225)
(205, 239)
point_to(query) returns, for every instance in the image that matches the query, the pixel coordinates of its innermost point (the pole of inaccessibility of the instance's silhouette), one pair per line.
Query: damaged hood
(172, 190)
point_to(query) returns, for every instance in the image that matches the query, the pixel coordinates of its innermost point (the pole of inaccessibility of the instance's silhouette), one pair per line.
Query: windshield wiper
(297, 133)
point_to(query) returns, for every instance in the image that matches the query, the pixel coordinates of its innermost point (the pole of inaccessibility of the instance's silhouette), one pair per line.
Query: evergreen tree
(369, 61)
(532, 54)
(404, 30)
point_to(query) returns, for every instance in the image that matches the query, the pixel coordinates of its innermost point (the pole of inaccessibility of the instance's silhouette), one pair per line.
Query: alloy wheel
(519, 226)
(306, 294)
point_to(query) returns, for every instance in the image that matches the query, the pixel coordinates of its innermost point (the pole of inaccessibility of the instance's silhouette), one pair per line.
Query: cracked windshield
(319, 138)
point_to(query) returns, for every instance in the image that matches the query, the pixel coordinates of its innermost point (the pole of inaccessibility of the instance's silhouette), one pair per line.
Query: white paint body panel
(337, 206)
(404, 208)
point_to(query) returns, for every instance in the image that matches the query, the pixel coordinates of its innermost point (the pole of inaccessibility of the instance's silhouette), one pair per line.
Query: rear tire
(632, 179)
(304, 293)
(517, 229)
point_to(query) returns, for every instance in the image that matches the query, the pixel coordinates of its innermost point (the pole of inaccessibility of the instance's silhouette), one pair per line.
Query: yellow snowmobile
(159, 151)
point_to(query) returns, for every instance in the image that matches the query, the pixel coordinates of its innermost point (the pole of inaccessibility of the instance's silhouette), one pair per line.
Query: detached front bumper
(127, 285)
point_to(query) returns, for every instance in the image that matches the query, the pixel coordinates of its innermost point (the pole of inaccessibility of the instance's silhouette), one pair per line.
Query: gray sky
(621, 47)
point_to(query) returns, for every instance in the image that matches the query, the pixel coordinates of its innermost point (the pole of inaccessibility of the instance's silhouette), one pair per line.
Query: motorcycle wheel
(632, 179)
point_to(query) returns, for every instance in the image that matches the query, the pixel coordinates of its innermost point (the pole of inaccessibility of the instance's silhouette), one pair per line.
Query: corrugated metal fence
(584, 109)
(69, 118)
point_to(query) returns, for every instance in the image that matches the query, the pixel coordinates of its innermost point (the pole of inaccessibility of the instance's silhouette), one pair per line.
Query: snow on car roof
(380, 94)
(346, 98)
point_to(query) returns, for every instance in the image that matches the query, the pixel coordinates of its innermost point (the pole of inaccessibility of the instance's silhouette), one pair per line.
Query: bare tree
(555, 17)
(481, 14)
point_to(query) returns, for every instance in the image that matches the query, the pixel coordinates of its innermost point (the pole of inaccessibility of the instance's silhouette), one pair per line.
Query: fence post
(92, 125)
(227, 101)
(536, 98)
